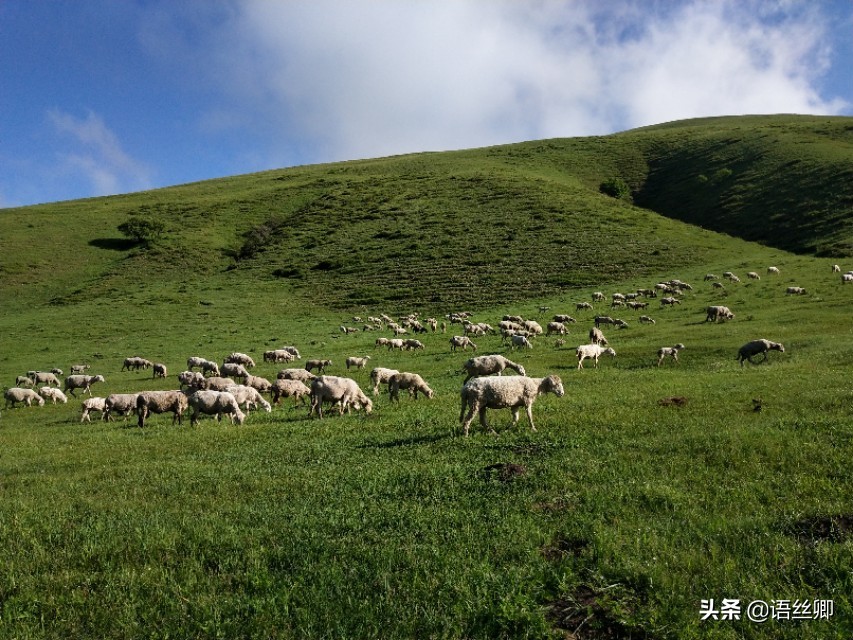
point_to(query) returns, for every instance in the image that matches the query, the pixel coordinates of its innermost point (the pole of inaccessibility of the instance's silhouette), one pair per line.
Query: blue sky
(109, 96)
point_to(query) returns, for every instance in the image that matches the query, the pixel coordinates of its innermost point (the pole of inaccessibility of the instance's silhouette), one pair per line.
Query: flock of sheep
(232, 390)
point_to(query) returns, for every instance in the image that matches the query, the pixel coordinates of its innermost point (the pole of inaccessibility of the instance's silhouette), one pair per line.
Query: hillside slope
(459, 228)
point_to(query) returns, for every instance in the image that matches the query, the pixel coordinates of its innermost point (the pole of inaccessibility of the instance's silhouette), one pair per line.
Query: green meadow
(645, 490)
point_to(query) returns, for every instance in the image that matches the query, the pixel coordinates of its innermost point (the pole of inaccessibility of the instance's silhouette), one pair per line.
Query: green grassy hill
(644, 491)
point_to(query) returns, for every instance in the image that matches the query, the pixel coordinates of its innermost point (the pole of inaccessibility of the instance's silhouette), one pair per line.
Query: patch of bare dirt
(504, 471)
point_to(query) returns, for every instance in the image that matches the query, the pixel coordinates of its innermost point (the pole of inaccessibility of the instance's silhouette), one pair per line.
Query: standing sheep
(215, 403)
(343, 392)
(512, 392)
(411, 381)
(320, 365)
(593, 351)
(488, 365)
(671, 352)
(597, 337)
(520, 342)
(248, 397)
(716, 312)
(240, 358)
(159, 370)
(81, 381)
(296, 374)
(380, 375)
(92, 404)
(54, 394)
(19, 394)
(149, 402)
(758, 347)
(358, 363)
(462, 342)
(121, 403)
(289, 388)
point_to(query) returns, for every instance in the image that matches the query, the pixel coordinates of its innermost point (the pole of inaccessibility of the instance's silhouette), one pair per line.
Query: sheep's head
(609, 351)
(777, 346)
(521, 370)
(554, 385)
(678, 347)
(98, 378)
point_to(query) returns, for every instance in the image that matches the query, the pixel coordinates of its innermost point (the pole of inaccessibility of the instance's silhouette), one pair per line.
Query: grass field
(644, 491)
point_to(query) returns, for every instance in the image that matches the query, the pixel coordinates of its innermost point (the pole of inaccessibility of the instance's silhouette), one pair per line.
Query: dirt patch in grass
(504, 471)
(557, 505)
(673, 401)
(584, 614)
(837, 528)
(562, 547)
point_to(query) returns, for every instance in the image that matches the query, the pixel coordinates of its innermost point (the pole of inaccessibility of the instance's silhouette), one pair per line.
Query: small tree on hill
(141, 229)
(616, 188)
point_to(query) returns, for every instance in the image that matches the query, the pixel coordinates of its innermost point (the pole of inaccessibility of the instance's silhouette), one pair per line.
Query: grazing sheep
(343, 392)
(92, 404)
(669, 301)
(556, 327)
(710, 276)
(293, 351)
(320, 365)
(511, 392)
(24, 381)
(846, 277)
(159, 370)
(217, 383)
(121, 403)
(798, 291)
(278, 355)
(519, 342)
(256, 382)
(19, 394)
(233, 370)
(462, 342)
(411, 344)
(80, 368)
(358, 363)
(758, 347)
(533, 327)
(598, 296)
(296, 374)
(671, 352)
(191, 379)
(580, 306)
(240, 358)
(215, 403)
(150, 402)
(380, 375)
(717, 312)
(772, 270)
(248, 396)
(136, 363)
(753, 276)
(210, 367)
(195, 361)
(289, 388)
(600, 320)
(488, 365)
(43, 377)
(597, 337)
(54, 394)
(81, 381)
(593, 351)
(638, 305)
(381, 342)
(718, 285)
(620, 324)
(411, 381)
(646, 320)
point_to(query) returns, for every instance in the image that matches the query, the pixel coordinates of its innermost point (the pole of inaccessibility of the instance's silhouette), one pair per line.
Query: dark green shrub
(616, 188)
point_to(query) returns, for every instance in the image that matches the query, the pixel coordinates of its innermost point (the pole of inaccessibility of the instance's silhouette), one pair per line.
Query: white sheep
(289, 388)
(520, 342)
(411, 344)
(320, 365)
(43, 377)
(240, 358)
(489, 365)
(215, 403)
(191, 379)
(381, 342)
(159, 370)
(217, 383)
(671, 352)
(135, 363)
(233, 370)
(717, 312)
(758, 347)
(149, 402)
(296, 374)
(798, 291)
(510, 392)
(15, 395)
(846, 277)
(646, 320)
(122, 404)
(257, 382)
(54, 394)
(79, 368)
(411, 381)
(752, 275)
(380, 375)
(600, 320)
(278, 355)
(92, 404)
(81, 381)
(249, 397)
(773, 270)
(24, 381)
(556, 327)
(669, 301)
(356, 362)
(343, 392)
(462, 342)
(206, 366)
(580, 306)
(592, 351)
(596, 336)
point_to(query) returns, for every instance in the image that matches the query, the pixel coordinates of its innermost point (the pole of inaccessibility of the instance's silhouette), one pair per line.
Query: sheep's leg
(466, 424)
(580, 363)
(515, 411)
(482, 411)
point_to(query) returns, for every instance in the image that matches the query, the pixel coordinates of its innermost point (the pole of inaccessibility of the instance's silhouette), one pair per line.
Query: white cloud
(98, 155)
(367, 78)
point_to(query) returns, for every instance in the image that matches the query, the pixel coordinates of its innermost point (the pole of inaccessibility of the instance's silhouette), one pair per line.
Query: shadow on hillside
(113, 244)
(405, 442)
